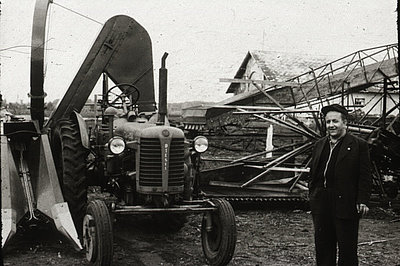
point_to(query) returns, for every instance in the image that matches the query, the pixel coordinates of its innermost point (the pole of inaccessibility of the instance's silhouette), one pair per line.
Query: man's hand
(362, 209)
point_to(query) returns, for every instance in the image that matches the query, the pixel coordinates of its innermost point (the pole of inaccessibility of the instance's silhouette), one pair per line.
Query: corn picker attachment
(129, 161)
(30, 188)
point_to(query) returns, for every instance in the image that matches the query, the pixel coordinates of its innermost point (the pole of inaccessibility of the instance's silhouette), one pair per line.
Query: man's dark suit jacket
(352, 180)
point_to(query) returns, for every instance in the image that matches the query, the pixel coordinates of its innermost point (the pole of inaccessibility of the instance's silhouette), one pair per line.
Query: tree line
(22, 108)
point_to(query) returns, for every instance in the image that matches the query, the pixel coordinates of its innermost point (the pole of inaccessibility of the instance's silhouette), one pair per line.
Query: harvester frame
(286, 104)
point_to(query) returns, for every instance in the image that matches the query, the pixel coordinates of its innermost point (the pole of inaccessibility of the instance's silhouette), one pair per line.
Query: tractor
(130, 161)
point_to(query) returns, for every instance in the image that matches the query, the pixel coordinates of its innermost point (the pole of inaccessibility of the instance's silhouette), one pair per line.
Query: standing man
(339, 189)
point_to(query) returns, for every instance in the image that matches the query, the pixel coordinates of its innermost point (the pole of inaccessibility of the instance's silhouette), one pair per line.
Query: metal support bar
(363, 67)
(279, 161)
(27, 185)
(276, 112)
(351, 61)
(131, 210)
(391, 98)
(387, 113)
(390, 126)
(289, 116)
(316, 85)
(293, 97)
(378, 69)
(316, 120)
(293, 127)
(266, 82)
(287, 169)
(263, 152)
(347, 76)
(300, 175)
(384, 103)
(330, 85)
(285, 124)
(373, 106)
(342, 95)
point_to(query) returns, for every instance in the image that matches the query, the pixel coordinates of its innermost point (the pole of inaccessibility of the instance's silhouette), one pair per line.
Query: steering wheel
(122, 94)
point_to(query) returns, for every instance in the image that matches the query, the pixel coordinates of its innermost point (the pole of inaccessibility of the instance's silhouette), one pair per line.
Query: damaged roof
(278, 66)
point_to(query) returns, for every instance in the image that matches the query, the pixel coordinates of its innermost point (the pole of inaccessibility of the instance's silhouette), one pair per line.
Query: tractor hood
(134, 130)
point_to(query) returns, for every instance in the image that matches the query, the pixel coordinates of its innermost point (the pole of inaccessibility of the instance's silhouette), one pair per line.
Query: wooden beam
(259, 81)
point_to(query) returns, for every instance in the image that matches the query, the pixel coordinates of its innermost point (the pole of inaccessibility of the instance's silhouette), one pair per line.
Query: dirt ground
(266, 236)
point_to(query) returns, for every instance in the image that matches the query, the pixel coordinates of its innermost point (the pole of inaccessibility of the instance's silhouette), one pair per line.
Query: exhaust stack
(162, 98)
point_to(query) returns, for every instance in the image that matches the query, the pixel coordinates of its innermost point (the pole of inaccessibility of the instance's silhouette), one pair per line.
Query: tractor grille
(176, 163)
(151, 166)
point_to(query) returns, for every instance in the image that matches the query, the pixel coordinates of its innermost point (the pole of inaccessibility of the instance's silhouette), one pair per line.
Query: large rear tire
(98, 234)
(218, 233)
(70, 161)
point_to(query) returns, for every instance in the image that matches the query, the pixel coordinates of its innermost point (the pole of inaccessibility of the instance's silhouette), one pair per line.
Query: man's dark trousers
(328, 230)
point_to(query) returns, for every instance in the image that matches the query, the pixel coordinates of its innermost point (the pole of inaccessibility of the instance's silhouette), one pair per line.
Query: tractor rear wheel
(218, 233)
(98, 234)
(70, 161)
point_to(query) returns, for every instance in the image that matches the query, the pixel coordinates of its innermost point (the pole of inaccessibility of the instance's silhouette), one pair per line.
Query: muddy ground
(266, 236)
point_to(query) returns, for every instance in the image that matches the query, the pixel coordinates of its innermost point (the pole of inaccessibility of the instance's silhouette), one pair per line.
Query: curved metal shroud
(123, 51)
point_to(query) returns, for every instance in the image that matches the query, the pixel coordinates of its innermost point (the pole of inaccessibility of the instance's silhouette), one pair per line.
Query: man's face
(335, 125)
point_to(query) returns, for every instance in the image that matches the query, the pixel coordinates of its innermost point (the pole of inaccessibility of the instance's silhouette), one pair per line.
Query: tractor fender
(82, 130)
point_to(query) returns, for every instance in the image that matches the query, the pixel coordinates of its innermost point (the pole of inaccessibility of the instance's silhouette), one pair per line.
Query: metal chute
(123, 51)
(30, 186)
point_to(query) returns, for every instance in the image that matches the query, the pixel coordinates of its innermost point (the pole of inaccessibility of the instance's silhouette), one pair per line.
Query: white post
(268, 142)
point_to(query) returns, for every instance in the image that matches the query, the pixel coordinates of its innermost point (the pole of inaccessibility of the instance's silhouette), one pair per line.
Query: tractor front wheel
(98, 234)
(218, 233)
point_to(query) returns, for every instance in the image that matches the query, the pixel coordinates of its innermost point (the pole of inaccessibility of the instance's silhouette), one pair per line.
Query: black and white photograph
(189, 132)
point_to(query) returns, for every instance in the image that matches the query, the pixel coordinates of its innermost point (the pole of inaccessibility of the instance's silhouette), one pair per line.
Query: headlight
(200, 144)
(116, 145)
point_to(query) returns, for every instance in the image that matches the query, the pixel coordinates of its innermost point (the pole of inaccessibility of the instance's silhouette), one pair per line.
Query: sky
(206, 39)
